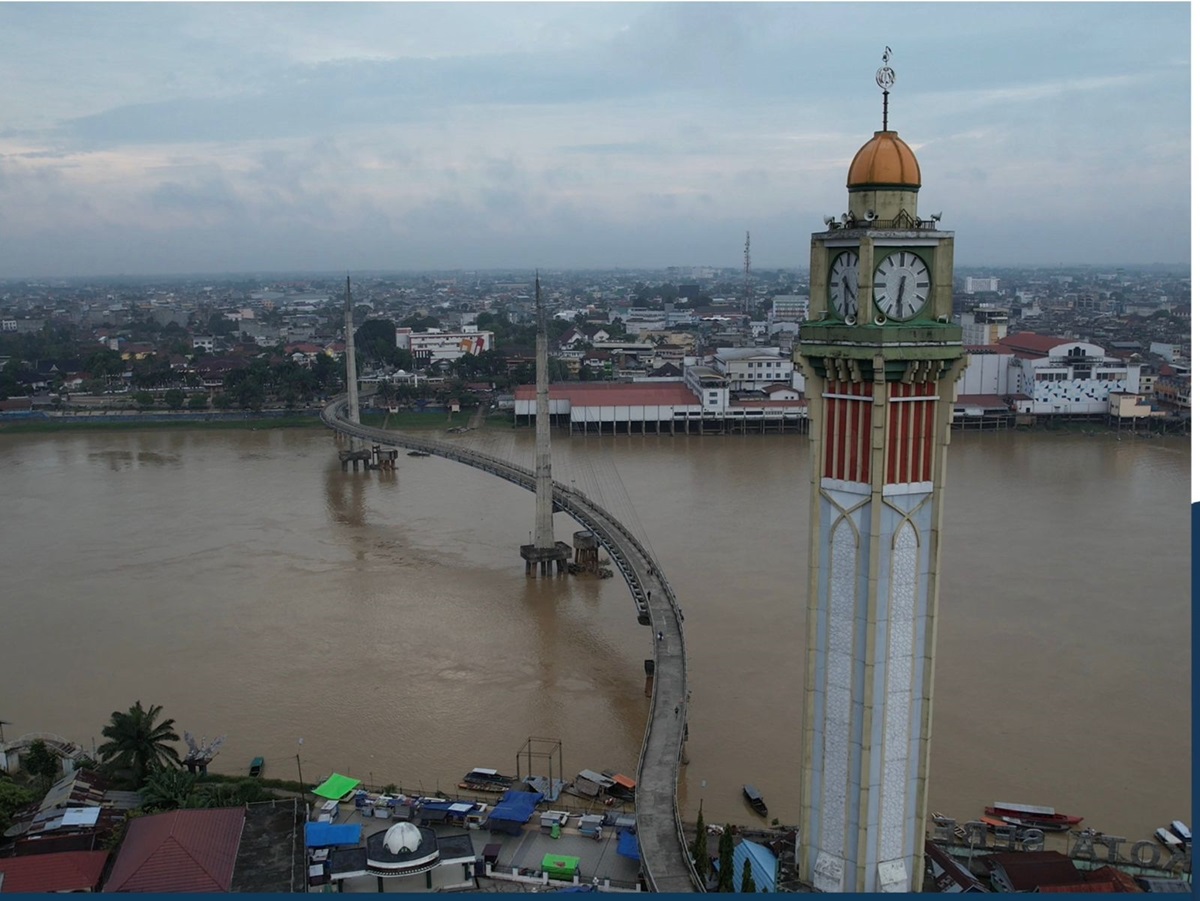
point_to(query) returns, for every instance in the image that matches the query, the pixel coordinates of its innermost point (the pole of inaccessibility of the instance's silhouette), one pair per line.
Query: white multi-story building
(434, 345)
(971, 285)
(753, 368)
(986, 324)
(789, 308)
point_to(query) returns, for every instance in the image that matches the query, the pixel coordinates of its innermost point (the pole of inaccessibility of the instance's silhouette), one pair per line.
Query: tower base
(542, 558)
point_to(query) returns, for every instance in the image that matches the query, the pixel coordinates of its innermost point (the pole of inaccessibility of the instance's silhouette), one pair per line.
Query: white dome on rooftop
(403, 838)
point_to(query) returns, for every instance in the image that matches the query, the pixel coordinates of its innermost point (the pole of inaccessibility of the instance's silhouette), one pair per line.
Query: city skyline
(169, 138)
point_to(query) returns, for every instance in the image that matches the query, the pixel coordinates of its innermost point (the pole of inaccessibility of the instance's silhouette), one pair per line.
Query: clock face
(843, 283)
(901, 285)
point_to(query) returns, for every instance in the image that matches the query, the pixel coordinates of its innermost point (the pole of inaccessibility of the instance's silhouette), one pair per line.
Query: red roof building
(68, 871)
(180, 851)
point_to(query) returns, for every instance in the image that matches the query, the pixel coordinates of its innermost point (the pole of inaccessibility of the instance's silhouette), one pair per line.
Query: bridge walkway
(666, 862)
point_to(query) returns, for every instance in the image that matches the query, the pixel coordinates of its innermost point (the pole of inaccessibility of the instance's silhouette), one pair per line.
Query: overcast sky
(160, 138)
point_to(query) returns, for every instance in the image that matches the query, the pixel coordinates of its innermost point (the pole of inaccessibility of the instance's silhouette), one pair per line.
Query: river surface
(245, 583)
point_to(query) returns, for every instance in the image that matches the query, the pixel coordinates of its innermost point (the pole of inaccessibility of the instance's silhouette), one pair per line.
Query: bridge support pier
(549, 560)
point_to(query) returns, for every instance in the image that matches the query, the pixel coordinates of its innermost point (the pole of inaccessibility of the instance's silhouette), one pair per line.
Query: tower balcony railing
(903, 220)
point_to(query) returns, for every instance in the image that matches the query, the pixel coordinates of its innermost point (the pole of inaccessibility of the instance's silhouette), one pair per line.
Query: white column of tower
(543, 534)
(351, 365)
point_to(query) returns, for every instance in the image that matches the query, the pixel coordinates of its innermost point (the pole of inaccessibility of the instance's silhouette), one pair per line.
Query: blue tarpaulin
(326, 835)
(516, 806)
(627, 845)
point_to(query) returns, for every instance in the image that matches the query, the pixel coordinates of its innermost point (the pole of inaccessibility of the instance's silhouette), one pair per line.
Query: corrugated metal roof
(180, 851)
(1027, 870)
(615, 394)
(67, 871)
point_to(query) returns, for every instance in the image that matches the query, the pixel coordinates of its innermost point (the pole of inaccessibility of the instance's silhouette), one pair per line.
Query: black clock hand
(900, 295)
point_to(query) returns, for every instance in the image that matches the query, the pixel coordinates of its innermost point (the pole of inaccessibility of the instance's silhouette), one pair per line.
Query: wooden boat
(755, 799)
(1026, 823)
(256, 767)
(1168, 838)
(1032, 816)
(941, 819)
(482, 779)
(623, 788)
(1180, 828)
(993, 822)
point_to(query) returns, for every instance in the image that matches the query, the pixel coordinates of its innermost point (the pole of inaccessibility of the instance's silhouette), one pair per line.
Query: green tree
(13, 797)
(41, 762)
(198, 402)
(144, 399)
(725, 860)
(137, 744)
(375, 341)
(168, 789)
(700, 848)
(747, 878)
(174, 398)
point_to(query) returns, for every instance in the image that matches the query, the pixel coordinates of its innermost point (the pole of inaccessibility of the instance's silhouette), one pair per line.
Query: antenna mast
(747, 295)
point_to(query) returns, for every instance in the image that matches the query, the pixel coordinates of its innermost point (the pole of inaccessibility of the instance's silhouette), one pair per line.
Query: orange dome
(884, 160)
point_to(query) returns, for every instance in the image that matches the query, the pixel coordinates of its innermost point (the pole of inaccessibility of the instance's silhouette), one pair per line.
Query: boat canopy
(336, 787)
(1009, 807)
(623, 781)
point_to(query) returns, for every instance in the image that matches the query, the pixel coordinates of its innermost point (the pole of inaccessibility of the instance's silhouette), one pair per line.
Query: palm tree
(137, 744)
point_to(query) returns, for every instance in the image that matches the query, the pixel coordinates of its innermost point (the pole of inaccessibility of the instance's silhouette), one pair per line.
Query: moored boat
(1032, 815)
(1044, 825)
(1168, 838)
(256, 767)
(482, 779)
(1180, 828)
(623, 788)
(993, 822)
(754, 799)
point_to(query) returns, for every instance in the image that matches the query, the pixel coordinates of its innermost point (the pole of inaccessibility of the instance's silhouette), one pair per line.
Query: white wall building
(1049, 376)
(435, 345)
(971, 285)
(986, 324)
(753, 368)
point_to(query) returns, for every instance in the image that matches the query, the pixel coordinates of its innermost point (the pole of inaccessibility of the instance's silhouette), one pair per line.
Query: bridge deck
(666, 863)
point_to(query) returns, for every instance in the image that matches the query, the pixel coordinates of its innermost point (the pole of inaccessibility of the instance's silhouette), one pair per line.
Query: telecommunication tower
(747, 293)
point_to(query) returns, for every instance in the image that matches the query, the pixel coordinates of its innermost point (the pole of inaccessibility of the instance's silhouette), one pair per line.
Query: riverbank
(33, 423)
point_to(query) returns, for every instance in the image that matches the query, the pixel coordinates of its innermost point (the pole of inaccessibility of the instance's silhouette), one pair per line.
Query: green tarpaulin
(560, 866)
(336, 786)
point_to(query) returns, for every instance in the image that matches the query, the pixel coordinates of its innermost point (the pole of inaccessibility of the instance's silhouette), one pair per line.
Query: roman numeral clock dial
(901, 285)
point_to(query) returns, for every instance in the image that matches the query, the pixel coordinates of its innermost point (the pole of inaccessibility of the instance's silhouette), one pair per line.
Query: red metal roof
(1029, 870)
(180, 851)
(980, 400)
(67, 871)
(1032, 343)
(615, 394)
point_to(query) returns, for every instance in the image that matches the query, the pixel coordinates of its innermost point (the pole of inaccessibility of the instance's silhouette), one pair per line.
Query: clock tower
(880, 358)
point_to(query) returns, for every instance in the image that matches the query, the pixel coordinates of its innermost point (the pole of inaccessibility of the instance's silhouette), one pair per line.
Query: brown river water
(254, 590)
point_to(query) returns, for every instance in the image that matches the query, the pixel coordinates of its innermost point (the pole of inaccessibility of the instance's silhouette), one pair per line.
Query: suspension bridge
(666, 863)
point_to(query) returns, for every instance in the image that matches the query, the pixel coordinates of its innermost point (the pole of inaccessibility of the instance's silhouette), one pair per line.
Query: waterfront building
(880, 357)
(434, 346)
(1065, 377)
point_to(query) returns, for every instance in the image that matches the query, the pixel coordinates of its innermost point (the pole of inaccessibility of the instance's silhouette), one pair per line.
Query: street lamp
(299, 742)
